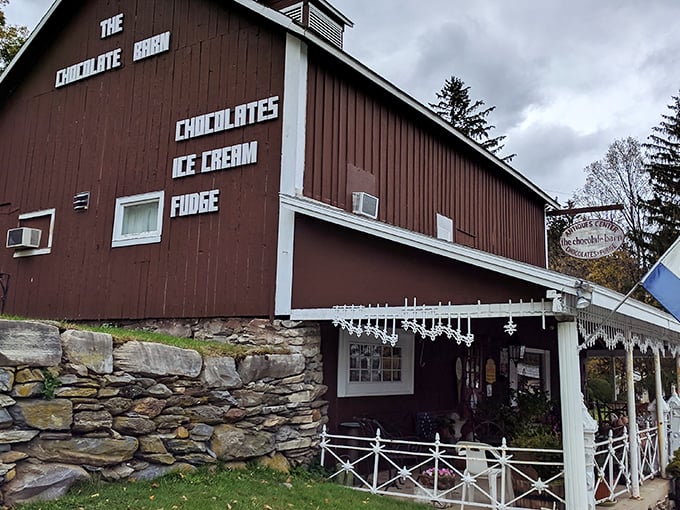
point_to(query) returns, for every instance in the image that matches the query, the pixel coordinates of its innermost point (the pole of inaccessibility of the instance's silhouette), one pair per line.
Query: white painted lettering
(236, 155)
(240, 115)
(249, 153)
(228, 123)
(219, 122)
(209, 123)
(227, 118)
(174, 206)
(252, 112)
(152, 46)
(90, 67)
(199, 125)
(262, 110)
(111, 26)
(183, 166)
(191, 204)
(229, 157)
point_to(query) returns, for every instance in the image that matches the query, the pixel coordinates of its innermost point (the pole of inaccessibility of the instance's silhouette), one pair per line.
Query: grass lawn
(205, 347)
(215, 488)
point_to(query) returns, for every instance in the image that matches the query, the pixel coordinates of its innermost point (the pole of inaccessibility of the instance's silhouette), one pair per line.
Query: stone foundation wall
(73, 403)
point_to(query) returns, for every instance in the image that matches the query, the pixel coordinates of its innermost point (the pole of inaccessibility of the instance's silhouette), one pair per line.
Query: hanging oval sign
(592, 239)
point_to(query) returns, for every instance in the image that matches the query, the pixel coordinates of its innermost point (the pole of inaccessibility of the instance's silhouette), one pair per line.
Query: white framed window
(444, 228)
(367, 367)
(138, 219)
(26, 220)
(532, 372)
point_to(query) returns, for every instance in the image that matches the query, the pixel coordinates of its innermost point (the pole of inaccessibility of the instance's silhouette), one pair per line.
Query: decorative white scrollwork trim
(618, 331)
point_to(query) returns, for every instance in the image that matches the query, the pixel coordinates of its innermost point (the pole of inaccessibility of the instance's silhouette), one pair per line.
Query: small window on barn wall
(367, 367)
(138, 219)
(444, 228)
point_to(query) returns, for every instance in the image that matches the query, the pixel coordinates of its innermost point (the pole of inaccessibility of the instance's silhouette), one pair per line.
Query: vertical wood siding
(361, 269)
(113, 135)
(420, 171)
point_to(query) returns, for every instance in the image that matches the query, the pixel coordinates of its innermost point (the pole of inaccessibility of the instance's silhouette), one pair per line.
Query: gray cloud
(567, 78)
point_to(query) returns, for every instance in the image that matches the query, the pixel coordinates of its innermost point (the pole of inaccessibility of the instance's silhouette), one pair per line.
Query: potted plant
(445, 478)
(536, 427)
(673, 471)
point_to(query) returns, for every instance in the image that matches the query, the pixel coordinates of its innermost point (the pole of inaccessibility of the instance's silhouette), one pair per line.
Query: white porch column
(575, 484)
(634, 450)
(660, 418)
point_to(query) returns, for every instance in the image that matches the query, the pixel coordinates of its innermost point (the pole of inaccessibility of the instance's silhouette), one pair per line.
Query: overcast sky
(567, 78)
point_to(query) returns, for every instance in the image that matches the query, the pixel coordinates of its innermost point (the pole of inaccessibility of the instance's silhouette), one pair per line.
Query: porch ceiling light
(584, 294)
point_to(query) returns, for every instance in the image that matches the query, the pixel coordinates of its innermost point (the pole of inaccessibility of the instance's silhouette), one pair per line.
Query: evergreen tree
(12, 37)
(467, 116)
(663, 168)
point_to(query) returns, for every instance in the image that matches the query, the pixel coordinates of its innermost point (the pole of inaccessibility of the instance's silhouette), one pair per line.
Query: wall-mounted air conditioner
(365, 204)
(23, 237)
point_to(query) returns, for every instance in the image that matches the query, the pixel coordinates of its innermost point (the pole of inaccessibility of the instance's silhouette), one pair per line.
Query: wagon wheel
(488, 431)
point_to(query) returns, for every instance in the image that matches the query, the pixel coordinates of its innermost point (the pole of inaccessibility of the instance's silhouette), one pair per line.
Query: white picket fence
(477, 475)
(472, 475)
(612, 462)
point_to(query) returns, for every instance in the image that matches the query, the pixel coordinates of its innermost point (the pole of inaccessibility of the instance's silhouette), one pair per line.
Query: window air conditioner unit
(23, 237)
(365, 204)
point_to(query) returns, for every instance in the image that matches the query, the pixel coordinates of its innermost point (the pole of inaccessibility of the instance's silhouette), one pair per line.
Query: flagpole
(615, 309)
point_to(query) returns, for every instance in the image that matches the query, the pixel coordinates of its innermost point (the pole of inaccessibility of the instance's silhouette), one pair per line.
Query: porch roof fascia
(476, 311)
(565, 284)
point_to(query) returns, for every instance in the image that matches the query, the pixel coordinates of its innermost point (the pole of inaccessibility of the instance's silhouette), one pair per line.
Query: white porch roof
(634, 321)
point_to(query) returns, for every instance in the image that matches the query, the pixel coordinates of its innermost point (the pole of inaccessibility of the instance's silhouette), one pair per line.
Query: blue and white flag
(663, 280)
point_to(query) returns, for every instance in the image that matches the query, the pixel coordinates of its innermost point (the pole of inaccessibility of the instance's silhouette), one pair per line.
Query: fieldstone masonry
(140, 410)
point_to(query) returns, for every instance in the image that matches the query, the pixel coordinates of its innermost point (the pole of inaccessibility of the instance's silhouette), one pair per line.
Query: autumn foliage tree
(12, 37)
(619, 178)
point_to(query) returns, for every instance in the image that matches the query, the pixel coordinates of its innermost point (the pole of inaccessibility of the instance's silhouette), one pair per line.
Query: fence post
(674, 405)
(589, 430)
(377, 448)
(323, 446)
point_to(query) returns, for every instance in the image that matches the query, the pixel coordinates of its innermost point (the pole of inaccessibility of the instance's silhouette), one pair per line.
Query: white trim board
(292, 165)
(51, 213)
(478, 311)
